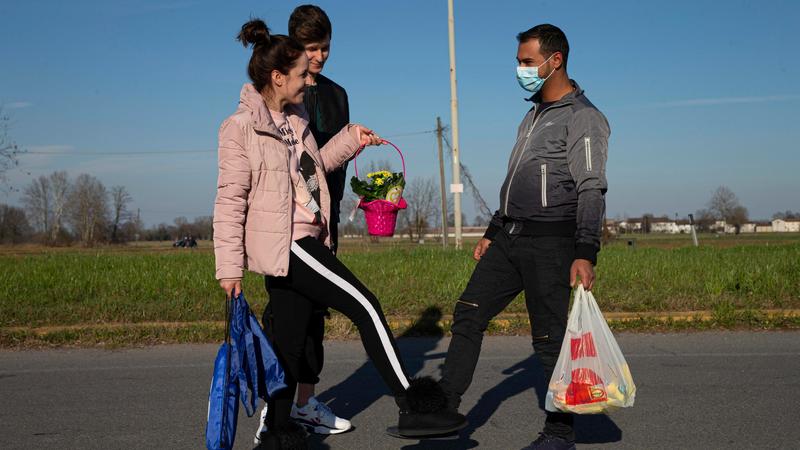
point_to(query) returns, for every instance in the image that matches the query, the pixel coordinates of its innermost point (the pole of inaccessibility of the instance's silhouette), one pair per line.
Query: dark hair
(309, 23)
(270, 52)
(551, 39)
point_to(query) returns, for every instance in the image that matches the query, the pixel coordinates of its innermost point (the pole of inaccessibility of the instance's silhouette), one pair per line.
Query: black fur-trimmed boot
(289, 437)
(424, 412)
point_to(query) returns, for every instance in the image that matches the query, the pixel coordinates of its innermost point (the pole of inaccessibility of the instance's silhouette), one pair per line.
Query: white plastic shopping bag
(591, 375)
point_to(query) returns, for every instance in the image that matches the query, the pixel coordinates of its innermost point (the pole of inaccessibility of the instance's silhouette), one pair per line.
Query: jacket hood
(251, 101)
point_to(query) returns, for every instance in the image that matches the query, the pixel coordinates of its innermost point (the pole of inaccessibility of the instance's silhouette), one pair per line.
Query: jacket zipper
(522, 151)
(587, 143)
(544, 185)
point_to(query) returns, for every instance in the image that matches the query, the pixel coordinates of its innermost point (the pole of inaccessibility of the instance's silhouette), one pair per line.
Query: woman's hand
(368, 137)
(234, 285)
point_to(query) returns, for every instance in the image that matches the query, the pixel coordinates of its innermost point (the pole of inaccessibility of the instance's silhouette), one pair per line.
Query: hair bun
(255, 33)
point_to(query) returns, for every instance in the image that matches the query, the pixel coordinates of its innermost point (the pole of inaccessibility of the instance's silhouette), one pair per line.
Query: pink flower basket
(381, 215)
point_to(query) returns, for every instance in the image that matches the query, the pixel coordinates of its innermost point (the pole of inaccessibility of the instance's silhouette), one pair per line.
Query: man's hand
(582, 268)
(234, 285)
(481, 248)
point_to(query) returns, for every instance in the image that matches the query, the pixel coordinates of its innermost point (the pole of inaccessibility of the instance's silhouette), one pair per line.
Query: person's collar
(568, 98)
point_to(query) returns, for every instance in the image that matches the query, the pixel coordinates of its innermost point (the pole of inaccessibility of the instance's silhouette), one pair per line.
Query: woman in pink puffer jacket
(271, 216)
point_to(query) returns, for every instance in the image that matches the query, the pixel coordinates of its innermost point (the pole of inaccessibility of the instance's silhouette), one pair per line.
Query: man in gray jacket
(546, 234)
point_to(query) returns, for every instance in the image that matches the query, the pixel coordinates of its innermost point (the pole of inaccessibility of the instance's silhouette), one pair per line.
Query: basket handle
(383, 141)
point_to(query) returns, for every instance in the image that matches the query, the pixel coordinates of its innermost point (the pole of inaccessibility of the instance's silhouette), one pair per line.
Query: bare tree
(647, 222)
(788, 214)
(88, 208)
(160, 232)
(182, 226)
(45, 201)
(8, 149)
(36, 198)
(377, 166)
(738, 217)
(14, 227)
(203, 227)
(59, 188)
(481, 221)
(133, 228)
(723, 203)
(422, 196)
(119, 201)
(725, 206)
(703, 220)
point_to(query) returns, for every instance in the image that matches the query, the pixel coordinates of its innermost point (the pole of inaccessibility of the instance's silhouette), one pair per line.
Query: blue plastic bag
(223, 397)
(223, 404)
(246, 367)
(260, 374)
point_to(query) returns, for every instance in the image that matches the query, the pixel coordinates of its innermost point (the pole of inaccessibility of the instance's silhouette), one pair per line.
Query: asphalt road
(695, 391)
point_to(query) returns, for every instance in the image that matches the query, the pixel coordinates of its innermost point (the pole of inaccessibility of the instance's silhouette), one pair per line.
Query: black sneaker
(547, 442)
(423, 411)
(290, 437)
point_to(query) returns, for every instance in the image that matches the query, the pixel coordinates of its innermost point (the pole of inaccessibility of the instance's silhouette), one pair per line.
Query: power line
(415, 133)
(162, 152)
(166, 152)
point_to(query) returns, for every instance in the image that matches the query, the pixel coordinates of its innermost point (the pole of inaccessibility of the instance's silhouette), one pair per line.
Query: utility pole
(138, 222)
(694, 233)
(439, 131)
(456, 188)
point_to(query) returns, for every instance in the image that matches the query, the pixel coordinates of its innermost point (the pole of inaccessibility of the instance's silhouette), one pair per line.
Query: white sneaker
(317, 417)
(262, 425)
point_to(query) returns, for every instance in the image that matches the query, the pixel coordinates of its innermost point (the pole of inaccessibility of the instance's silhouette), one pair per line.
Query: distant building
(721, 226)
(668, 226)
(612, 226)
(630, 225)
(786, 225)
(662, 225)
(683, 226)
(764, 227)
(665, 225)
(748, 228)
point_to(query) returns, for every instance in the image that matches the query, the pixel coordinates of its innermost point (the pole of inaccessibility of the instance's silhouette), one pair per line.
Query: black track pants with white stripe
(317, 279)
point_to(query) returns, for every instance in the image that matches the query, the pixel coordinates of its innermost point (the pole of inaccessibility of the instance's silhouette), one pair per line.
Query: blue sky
(698, 93)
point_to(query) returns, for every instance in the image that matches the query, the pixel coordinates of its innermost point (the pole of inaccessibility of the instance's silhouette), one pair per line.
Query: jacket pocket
(544, 185)
(587, 143)
(557, 187)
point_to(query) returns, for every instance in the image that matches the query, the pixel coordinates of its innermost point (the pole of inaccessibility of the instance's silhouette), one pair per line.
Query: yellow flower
(379, 181)
(379, 175)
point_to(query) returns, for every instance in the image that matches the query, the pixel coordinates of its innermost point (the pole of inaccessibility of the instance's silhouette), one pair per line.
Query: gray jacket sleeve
(587, 152)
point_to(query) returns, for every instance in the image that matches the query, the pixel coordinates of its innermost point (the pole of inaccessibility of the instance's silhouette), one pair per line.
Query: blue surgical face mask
(529, 79)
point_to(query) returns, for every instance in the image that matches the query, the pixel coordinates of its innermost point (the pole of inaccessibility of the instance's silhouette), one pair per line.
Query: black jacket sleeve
(495, 226)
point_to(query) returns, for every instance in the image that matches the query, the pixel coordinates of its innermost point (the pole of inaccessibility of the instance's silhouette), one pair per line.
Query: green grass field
(155, 283)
